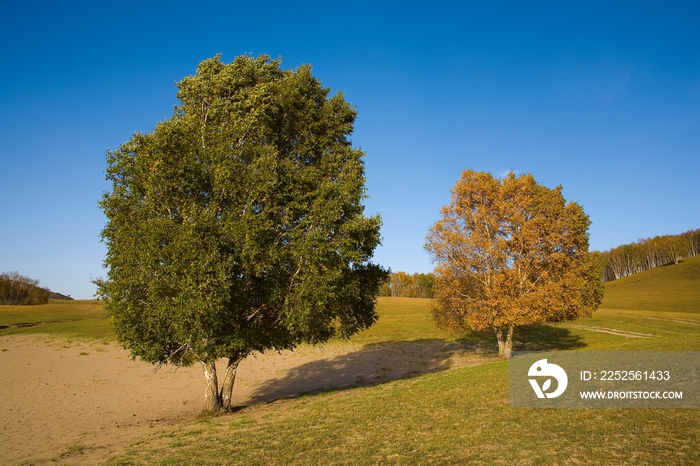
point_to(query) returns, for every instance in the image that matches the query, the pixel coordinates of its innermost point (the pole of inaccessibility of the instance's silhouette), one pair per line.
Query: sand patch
(77, 403)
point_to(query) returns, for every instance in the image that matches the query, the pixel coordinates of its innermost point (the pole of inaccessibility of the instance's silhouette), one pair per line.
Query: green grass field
(70, 319)
(458, 416)
(662, 305)
(670, 288)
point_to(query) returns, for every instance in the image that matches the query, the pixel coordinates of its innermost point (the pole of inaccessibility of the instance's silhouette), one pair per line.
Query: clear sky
(600, 97)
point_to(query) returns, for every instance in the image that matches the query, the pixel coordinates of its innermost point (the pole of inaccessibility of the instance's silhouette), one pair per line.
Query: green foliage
(237, 225)
(16, 289)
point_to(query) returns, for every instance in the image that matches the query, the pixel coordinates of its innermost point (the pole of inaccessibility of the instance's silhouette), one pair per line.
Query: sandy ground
(78, 403)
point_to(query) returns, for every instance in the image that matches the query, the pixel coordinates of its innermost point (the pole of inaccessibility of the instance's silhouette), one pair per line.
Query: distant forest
(618, 262)
(16, 289)
(403, 285)
(645, 254)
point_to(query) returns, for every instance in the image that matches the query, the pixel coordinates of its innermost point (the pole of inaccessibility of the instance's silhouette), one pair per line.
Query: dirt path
(76, 403)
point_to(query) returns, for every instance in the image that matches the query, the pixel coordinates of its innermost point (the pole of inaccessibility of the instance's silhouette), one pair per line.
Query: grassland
(658, 310)
(70, 319)
(670, 288)
(461, 416)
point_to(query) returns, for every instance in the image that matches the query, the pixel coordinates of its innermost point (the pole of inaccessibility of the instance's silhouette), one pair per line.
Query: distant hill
(54, 295)
(669, 288)
(20, 290)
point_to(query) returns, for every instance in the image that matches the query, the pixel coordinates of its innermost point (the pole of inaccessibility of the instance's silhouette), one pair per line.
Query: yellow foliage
(511, 252)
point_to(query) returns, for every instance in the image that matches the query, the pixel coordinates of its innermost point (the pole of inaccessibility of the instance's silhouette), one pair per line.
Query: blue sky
(600, 97)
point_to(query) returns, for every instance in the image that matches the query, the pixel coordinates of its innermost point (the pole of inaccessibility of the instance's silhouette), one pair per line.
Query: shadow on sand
(379, 363)
(374, 364)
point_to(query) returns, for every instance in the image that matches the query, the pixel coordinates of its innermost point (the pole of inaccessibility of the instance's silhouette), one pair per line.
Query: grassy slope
(72, 319)
(461, 416)
(671, 288)
(662, 302)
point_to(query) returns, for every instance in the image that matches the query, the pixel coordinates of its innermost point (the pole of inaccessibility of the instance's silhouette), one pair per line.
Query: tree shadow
(529, 338)
(545, 338)
(379, 363)
(374, 364)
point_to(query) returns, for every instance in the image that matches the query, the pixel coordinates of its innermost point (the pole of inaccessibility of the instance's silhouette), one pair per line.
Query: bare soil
(79, 403)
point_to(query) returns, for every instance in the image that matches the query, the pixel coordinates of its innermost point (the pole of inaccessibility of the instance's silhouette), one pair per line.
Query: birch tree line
(18, 290)
(403, 285)
(619, 262)
(645, 254)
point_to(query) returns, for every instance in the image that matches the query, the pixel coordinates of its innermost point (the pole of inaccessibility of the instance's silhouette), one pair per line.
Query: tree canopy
(511, 252)
(237, 225)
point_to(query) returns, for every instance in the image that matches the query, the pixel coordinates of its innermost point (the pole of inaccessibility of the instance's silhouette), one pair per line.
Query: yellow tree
(511, 252)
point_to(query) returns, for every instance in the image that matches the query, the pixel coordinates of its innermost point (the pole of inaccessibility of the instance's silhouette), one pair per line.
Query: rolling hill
(673, 287)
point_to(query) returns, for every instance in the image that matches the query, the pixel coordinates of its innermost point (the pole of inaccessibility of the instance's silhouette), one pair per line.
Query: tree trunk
(505, 342)
(212, 398)
(229, 379)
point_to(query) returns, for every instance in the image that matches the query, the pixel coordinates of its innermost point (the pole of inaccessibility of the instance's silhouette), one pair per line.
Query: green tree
(237, 225)
(425, 285)
(511, 252)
